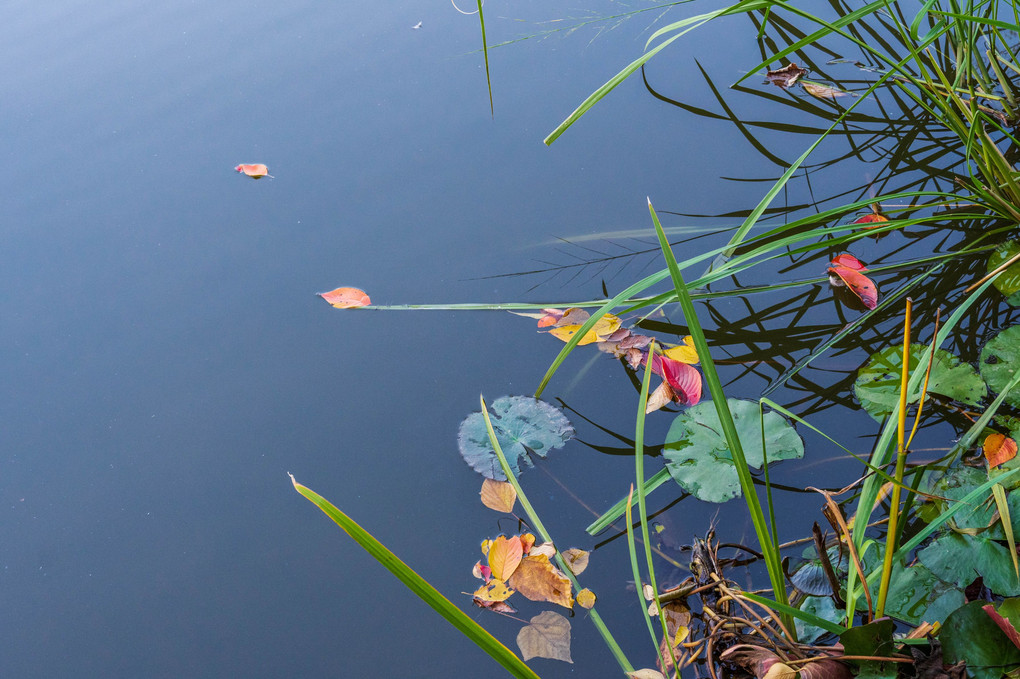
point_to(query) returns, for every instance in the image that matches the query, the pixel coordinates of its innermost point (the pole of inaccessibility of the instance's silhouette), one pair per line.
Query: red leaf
(998, 449)
(861, 285)
(849, 261)
(255, 170)
(683, 379)
(346, 298)
(874, 218)
(1004, 624)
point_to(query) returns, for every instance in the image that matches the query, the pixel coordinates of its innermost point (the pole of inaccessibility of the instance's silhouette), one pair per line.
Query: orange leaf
(861, 285)
(346, 298)
(585, 598)
(874, 219)
(504, 556)
(849, 261)
(998, 449)
(255, 171)
(528, 541)
(498, 495)
(494, 590)
(538, 580)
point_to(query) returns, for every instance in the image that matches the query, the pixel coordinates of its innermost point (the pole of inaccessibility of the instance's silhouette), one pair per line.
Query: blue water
(166, 361)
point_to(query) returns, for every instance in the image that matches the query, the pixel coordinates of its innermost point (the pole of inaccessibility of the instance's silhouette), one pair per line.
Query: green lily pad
(961, 559)
(523, 426)
(917, 595)
(1000, 359)
(698, 458)
(954, 485)
(969, 634)
(878, 382)
(1009, 282)
(824, 608)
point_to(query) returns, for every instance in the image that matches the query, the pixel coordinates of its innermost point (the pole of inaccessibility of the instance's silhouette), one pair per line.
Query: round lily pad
(1009, 282)
(523, 426)
(878, 382)
(1000, 359)
(698, 458)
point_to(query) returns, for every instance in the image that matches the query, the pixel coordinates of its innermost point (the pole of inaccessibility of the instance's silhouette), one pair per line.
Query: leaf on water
(547, 636)
(684, 380)
(346, 298)
(999, 448)
(577, 560)
(685, 353)
(524, 426)
(846, 270)
(971, 636)
(1008, 282)
(961, 559)
(678, 620)
(498, 495)
(497, 606)
(822, 92)
(698, 457)
(574, 318)
(538, 580)
(545, 549)
(504, 556)
(646, 674)
(481, 571)
(878, 382)
(527, 540)
(658, 399)
(1000, 359)
(586, 598)
(875, 218)
(786, 76)
(254, 170)
(494, 590)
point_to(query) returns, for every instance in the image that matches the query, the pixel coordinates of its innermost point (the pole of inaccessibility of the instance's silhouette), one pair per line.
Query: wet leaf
(504, 556)
(646, 674)
(1006, 617)
(698, 456)
(878, 382)
(254, 170)
(538, 580)
(875, 219)
(497, 606)
(917, 595)
(481, 571)
(969, 635)
(573, 319)
(577, 560)
(527, 541)
(824, 608)
(1008, 283)
(825, 669)
(1000, 359)
(346, 298)
(961, 559)
(547, 636)
(494, 590)
(524, 426)
(999, 448)
(849, 261)
(685, 353)
(545, 549)
(678, 620)
(845, 270)
(585, 598)
(684, 380)
(786, 76)
(498, 495)
(872, 639)
(658, 399)
(822, 92)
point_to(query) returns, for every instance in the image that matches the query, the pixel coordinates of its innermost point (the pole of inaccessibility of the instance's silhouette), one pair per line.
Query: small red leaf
(254, 170)
(874, 219)
(861, 285)
(346, 298)
(683, 379)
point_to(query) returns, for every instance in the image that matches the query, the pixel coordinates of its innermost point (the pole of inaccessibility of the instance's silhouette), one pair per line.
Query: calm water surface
(166, 361)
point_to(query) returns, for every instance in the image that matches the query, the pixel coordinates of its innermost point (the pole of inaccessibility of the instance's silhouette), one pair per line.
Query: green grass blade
(417, 584)
(485, 52)
(616, 511)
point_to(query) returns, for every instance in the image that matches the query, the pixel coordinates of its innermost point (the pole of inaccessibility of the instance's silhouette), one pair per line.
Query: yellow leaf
(527, 541)
(504, 556)
(577, 560)
(485, 547)
(495, 590)
(685, 353)
(498, 495)
(604, 327)
(536, 579)
(586, 598)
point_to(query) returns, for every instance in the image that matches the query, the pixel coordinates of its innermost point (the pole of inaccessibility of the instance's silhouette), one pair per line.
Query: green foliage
(1009, 282)
(699, 458)
(1000, 362)
(523, 425)
(917, 595)
(878, 382)
(971, 636)
(961, 559)
(821, 606)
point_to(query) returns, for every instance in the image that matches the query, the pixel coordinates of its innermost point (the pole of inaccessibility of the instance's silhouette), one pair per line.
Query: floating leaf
(538, 580)
(547, 636)
(683, 379)
(498, 495)
(685, 353)
(481, 571)
(546, 548)
(662, 396)
(577, 560)
(917, 595)
(646, 674)
(969, 635)
(698, 457)
(961, 559)
(346, 298)
(786, 76)
(845, 270)
(1008, 282)
(255, 170)
(494, 590)
(527, 541)
(875, 218)
(523, 426)
(1004, 617)
(504, 556)
(878, 382)
(999, 448)
(822, 91)
(573, 319)
(849, 261)
(497, 606)
(586, 598)
(1000, 359)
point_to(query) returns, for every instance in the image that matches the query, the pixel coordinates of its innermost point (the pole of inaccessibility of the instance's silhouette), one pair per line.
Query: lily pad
(917, 595)
(523, 426)
(1009, 282)
(698, 458)
(961, 559)
(1000, 359)
(878, 382)
(969, 634)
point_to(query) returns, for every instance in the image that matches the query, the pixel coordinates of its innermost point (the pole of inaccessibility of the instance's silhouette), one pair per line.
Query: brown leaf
(497, 606)
(494, 590)
(755, 659)
(678, 619)
(577, 560)
(659, 398)
(498, 495)
(822, 92)
(548, 636)
(586, 598)
(998, 449)
(546, 548)
(536, 579)
(786, 76)
(504, 556)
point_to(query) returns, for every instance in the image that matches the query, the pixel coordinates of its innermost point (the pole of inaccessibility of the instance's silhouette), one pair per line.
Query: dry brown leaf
(546, 548)
(678, 619)
(662, 395)
(536, 579)
(497, 606)
(547, 636)
(786, 76)
(498, 495)
(585, 598)
(822, 92)
(577, 560)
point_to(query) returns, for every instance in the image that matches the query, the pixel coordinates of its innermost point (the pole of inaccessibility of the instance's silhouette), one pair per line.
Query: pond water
(167, 361)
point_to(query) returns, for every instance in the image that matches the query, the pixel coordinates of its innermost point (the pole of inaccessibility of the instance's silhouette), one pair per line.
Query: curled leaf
(254, 170)
(822, 92)
(999, 449)
(786, 76)
(846, 270)
(683, 379)
(497, 606)
(481, 571)
(346, 298)
(577, 560)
